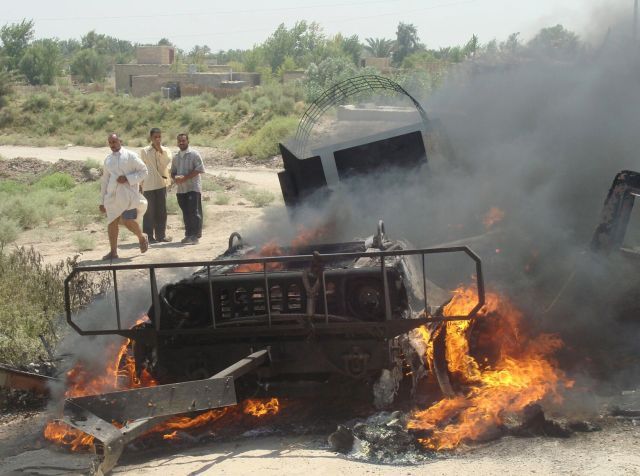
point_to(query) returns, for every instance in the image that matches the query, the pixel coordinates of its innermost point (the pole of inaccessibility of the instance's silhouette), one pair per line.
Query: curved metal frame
(338, 93)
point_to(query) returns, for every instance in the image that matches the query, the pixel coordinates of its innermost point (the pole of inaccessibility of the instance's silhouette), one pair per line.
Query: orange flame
(492, 217)
(523, 373)
(258, 408)
(270, 249)
(120, 374)
(170, 436)
(305, 237)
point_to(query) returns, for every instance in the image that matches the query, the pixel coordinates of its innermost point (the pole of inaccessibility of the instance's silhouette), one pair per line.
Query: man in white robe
(122, 201)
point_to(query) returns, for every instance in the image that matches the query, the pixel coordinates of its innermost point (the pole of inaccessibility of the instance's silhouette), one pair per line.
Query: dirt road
(262, 177)
(53, 154)
(612, 451)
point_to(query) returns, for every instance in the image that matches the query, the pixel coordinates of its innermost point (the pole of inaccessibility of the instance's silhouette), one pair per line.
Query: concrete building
(154, 73)
(155, 54)
(381, 64)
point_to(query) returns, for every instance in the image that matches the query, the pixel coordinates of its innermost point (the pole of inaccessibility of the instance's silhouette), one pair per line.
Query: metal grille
(256, 301)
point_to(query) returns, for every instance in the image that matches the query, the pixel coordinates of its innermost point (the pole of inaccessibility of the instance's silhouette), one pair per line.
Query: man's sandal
(110, 256)
(144, 244)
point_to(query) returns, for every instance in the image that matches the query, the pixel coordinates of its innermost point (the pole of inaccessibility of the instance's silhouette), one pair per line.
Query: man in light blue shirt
(186, 168)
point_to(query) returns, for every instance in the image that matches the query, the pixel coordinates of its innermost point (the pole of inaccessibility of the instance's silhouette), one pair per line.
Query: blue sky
(224, 25)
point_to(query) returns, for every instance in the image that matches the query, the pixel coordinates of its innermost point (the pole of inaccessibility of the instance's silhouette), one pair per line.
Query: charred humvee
(330, 315)
(319, 319)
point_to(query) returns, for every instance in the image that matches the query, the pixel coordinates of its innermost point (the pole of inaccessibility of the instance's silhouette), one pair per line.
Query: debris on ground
(25, 169)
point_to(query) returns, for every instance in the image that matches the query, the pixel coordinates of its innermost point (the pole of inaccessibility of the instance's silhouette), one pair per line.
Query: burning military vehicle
(363, 320)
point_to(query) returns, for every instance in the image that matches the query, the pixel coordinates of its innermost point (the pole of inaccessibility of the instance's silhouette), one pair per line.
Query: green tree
(350, 46)
(114, 49)
(164, 42)
(198, 54)
(304, 42)
(252, 59)
(420, 60)
(472, 47)
(89, 66)
(69, 47)
(407, 42)
(556, 41)
(379, 47)
(41, 62)
(330, 71)
(15, 40)
(512, 45)
(6, 86)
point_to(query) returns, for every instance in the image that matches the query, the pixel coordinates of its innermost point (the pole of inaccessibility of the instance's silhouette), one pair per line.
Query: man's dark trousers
(154, 222)
(191, 206)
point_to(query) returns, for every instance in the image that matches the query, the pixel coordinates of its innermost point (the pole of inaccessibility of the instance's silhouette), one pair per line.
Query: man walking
(186, 168)
(121, 200)
(157, 158)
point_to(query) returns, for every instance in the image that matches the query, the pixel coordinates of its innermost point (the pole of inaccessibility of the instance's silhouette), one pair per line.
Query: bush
(262, 105)
(9, 230)
(224, 106)
(56, 181)
(242, 107)
(32, 298)
(193, 119)
(83, 205)
(90, 163)
(259, 198)
(84, 242)
(81, 220)
(284, 106)
(264, 143)
(37, 103)
(25, 213)
(221, 198)
(12, 187)
(48, 213)
(209, 184)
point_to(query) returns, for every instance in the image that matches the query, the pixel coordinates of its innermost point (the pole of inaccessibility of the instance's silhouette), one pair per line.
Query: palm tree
(379, 47)
(407, 42)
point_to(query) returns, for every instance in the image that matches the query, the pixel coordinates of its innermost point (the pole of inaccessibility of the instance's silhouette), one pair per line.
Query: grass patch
(84, 242)
(9, 230)
(259, 198)
(12, 187)
(222, 198)
(56, 118)
(209, 184)
(56, 181)
(24, 211)
(90, 163)
(264, 143)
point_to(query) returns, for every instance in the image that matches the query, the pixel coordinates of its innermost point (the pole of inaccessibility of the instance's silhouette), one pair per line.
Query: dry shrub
(32, 302)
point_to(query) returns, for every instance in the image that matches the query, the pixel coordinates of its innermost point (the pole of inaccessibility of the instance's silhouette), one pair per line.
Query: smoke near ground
(539, 134)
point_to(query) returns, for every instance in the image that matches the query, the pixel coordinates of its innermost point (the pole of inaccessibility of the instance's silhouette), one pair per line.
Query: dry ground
(613, 451)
